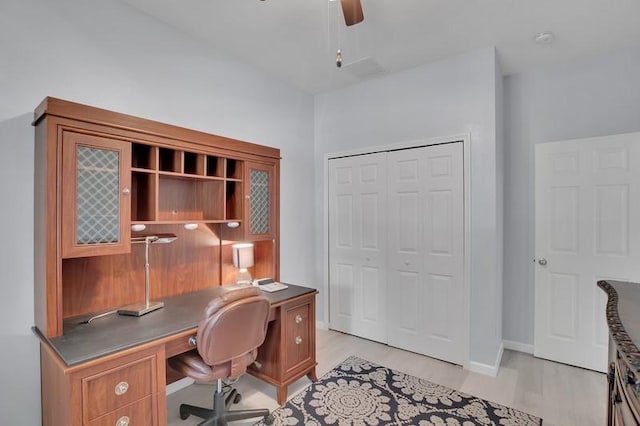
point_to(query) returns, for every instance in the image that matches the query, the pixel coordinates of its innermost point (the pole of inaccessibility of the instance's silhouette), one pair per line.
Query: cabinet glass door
(97, 195)
(261, 201)
(96, 204)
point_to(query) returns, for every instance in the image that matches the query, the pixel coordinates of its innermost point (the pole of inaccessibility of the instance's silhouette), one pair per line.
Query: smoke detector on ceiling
(545, 37)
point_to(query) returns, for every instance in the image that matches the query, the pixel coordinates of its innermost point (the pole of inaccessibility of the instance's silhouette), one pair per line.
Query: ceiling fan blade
(352, 10)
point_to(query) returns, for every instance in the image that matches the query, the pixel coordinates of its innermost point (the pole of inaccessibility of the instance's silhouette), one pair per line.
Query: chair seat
(192, 365)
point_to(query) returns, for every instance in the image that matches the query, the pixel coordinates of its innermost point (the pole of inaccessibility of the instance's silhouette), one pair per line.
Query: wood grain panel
(48, 316)
(189, 199)
(279, 361)
(296, 337)
(188, 264)
(138, 413)
(143, 196)
(99, 392)
(55, 384)
(263, 254)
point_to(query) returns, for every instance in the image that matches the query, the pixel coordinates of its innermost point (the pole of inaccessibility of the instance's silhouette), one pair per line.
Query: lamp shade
(243, 255)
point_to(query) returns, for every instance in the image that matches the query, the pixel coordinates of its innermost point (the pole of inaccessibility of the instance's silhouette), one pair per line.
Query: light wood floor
(562, 395)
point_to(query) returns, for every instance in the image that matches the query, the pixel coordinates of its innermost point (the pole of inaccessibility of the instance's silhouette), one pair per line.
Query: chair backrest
(234, 324)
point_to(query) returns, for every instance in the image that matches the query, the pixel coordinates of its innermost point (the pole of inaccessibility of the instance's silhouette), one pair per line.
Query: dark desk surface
(623, 319)
(82, 342)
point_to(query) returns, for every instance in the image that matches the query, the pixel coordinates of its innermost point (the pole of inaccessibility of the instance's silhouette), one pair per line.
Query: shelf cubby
(170, 160)
(143, 156)
(215, 166)
(194, 163)
(184, 199)
(233, 200)
(143, 196)
(234, 169)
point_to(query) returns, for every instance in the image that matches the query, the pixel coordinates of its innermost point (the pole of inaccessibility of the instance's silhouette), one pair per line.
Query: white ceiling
(296, 40)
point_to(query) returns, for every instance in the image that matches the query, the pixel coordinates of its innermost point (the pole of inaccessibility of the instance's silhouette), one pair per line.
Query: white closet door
(426, 251)
(587, 219)
(357, 245)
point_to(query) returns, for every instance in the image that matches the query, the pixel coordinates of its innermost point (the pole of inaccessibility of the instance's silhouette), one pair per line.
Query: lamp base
(243, 277)
(139, 309)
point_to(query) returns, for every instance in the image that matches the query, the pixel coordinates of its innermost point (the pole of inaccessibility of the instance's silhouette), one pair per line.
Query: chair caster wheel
(237, 398)
(268, 420)
(184, 415)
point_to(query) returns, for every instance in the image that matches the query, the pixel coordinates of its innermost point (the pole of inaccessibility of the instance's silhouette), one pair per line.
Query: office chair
(233, 327)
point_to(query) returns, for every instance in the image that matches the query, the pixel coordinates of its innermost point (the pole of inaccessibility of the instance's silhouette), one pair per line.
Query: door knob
(542, 261)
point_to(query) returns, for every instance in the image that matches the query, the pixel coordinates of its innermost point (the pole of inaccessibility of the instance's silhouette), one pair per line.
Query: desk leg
(312, 375)
(281, 391)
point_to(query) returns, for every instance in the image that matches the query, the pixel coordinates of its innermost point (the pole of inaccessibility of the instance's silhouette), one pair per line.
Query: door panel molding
(587, 227)
(440, 167)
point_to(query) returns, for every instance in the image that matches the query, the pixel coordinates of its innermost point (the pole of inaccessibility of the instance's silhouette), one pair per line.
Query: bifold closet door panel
(426, 251)
(357, 245)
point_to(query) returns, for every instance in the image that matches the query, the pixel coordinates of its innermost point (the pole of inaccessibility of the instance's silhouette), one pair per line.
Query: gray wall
(591, 97)
(109, 55)
(446, 98)
(500, 148)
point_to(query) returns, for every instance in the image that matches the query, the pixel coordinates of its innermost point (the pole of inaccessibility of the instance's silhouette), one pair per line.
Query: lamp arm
(146, 272)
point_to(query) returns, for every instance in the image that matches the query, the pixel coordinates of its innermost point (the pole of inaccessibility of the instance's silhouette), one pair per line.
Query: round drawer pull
(123, 421)
(121, 389)
(298, 319)
(298, 340)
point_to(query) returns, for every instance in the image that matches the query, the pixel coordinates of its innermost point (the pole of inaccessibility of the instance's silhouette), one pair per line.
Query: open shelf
(234, 169)
(181, 199)
(215, 166)
(170, 160)
(143, 156)
(143, 196)
(190, 177)
(180, 186)
(182, 222)
(194, 163)
(233, 200)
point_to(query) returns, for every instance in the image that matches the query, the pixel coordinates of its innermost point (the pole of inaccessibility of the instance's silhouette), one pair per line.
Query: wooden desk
(113, 371)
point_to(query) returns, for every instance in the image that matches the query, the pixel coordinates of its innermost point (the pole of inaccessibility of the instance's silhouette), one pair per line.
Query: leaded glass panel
(98, 196)
(259, 207)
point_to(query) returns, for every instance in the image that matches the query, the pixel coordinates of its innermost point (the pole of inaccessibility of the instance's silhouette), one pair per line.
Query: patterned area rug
(359, 392)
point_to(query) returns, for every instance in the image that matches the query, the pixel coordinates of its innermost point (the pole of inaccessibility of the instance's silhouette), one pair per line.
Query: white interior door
(357, 245)
(426, 251)
(587, 228)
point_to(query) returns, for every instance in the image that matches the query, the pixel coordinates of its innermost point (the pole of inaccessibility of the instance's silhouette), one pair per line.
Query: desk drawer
(117, 387)
(628, 410)
(139, 413)
(297, 334)
(179, 345)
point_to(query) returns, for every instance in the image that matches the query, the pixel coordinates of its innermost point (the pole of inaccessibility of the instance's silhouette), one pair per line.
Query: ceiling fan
(352, 11)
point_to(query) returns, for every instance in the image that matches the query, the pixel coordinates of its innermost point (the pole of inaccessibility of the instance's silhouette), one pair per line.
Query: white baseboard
(180, 384)
(517, 346)
(486, 369)
(322, 325)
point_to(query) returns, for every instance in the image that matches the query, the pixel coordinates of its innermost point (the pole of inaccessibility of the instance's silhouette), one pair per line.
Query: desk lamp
(243, 259)
(139, 309)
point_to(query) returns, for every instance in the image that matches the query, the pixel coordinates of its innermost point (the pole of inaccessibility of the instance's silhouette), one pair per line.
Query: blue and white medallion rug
(361, 393)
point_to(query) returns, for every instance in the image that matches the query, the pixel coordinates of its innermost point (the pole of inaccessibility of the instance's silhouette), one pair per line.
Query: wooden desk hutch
(97, 173)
